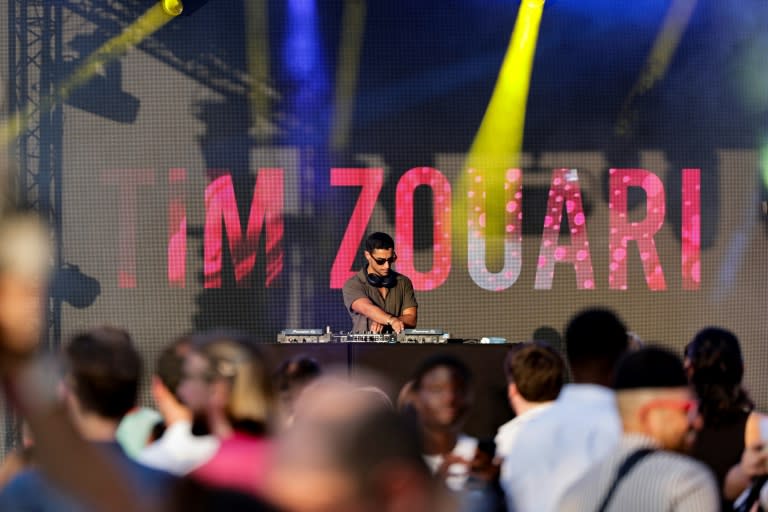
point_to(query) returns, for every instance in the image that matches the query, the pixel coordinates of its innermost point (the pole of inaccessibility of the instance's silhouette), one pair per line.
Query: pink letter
(691, 229)
(177, 228)
(371, 180)
(622, 231)
(127, 181)
(441, 234)
(476, 213)
(565, 190)
(267, 205)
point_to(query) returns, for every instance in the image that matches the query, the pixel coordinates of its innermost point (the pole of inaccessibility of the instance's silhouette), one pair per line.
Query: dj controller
(326, 336)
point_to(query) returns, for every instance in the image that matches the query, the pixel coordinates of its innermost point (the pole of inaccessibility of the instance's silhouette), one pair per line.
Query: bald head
(348, 450)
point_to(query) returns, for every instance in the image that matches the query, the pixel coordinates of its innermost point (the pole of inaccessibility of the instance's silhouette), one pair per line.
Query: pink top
(240, 463)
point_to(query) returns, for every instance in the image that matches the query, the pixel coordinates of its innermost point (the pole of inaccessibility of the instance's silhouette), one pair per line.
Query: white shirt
(178, 451)
(551, 449)
(506, 435)
(457, 475)
(505, 441)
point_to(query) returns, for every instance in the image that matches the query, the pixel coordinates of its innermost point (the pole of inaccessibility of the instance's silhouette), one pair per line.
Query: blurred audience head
(291, 377)
(442, 392)
(595, 339)
(226, 382)
(103, 370)
(535, 373)
(25, 261)
(169, 372)
(715, 368)
(654, 398)
(375, 393)
(348, 450)
(551, 336)
(169, 366)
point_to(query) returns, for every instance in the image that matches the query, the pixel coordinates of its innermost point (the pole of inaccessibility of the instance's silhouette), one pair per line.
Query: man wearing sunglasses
(379, 299)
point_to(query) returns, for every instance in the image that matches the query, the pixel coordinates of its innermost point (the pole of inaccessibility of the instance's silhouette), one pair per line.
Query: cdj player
(326, 336)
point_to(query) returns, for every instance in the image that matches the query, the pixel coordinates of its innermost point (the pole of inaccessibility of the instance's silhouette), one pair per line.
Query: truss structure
(36, 53)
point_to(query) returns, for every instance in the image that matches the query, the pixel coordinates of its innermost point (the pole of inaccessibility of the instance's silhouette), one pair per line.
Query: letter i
(177, 228)
(691, 229)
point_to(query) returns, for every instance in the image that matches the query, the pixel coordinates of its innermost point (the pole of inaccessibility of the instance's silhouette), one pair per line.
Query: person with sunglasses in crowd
(648, 470)
(378, 299)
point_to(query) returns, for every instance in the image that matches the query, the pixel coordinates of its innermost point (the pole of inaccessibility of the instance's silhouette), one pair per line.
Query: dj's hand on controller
(396, 324)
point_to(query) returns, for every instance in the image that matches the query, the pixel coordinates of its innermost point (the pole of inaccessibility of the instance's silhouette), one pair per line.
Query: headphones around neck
(387, 281)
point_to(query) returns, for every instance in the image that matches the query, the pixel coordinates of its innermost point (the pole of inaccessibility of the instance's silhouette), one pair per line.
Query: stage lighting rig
(181, 7)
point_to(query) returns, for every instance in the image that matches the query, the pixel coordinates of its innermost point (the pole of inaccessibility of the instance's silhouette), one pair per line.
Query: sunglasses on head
(673, 403)
(381, 261)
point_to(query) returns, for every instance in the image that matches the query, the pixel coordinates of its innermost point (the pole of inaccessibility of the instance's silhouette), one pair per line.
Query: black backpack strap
(624, 469)
(751, 496)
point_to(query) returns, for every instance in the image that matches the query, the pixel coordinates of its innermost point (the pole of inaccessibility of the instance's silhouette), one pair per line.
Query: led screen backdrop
(225, 170)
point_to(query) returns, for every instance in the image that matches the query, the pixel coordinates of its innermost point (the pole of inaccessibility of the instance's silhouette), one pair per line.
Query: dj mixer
(326, 336)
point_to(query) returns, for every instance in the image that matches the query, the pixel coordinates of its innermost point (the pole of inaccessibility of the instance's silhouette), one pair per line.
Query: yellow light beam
(498, 142)
(764, 164)
(146, 25)
(353, 26)
(258, 62)
(500, 137)
(675, 22)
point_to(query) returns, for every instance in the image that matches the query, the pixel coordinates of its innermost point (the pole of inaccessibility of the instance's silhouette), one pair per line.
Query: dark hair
(650, 367)
(105, 369)
(595, 338)
(551, 336)
(717, 369)
(158, 429)
(190, 495)
(170, 363)
(457, 366)
(366, 444)
(536, 369)
(379, 240)
(296, 372)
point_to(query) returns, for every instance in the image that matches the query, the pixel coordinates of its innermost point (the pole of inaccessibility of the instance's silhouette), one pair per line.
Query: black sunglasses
(381, 261)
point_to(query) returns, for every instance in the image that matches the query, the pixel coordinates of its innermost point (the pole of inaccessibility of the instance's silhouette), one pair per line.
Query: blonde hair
(27, 249)
(237, 359)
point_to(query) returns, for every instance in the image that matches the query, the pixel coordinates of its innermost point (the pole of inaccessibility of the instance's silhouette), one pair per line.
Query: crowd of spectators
(607, 423)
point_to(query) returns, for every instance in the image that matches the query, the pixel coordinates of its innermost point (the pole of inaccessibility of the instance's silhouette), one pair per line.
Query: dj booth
(397, 361)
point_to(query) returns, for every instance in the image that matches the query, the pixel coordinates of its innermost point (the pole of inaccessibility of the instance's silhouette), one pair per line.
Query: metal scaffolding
(34, 47)
(36, 68)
